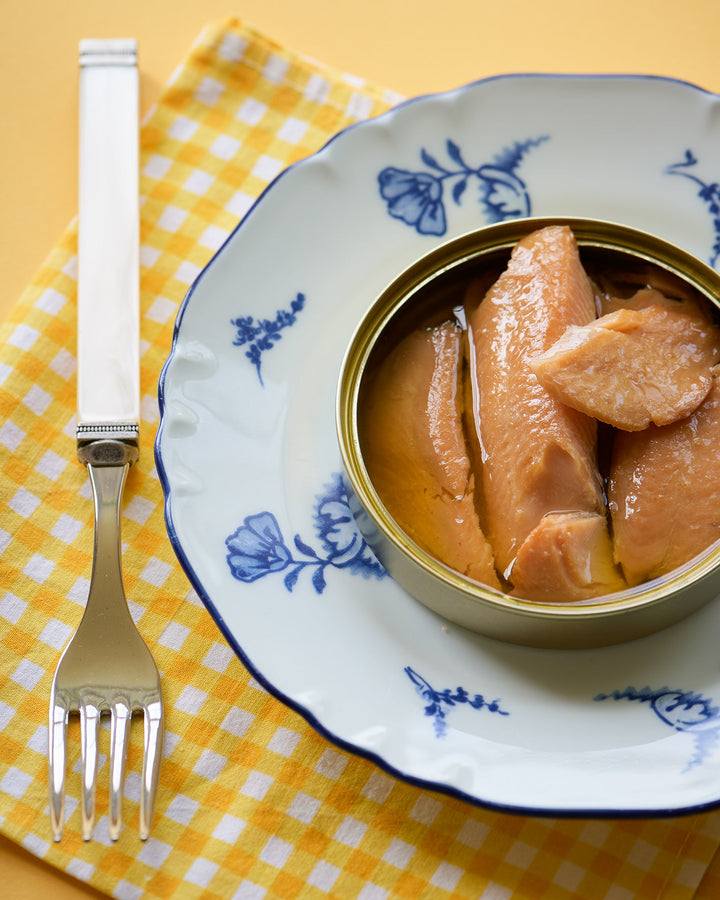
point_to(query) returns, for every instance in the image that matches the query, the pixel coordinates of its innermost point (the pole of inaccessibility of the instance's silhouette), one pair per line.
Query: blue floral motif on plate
(684, 711)
(417, 197)
(708, 191)
(257, 548)
(439, 703)
(262, 335)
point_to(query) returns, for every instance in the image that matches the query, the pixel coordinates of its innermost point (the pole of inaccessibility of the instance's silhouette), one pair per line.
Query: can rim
(461, 250)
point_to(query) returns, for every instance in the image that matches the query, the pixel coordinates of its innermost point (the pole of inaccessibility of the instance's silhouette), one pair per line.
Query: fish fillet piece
(567, 557)
(415, 452)
(632, 367)
(539, 455)
(664, 492)
(645, 287)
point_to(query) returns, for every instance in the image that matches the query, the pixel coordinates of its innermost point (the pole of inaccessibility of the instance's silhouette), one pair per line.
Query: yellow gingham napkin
(253, 803)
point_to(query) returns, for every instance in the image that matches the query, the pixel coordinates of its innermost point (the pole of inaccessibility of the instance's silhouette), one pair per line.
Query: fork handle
(108, 462)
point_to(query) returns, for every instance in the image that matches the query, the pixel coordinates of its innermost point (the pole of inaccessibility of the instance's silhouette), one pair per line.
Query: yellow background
(412, 47)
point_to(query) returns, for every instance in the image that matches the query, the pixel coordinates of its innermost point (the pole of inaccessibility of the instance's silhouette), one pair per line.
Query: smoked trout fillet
(538, 455)
(647, 359)
(632, 367)
(415, 453)
(568, 556)
(664, 492)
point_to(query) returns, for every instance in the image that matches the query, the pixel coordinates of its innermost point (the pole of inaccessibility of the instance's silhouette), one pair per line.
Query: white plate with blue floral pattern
(250, 466)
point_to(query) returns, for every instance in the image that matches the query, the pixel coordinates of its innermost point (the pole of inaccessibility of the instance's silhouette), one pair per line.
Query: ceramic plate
(248, 456)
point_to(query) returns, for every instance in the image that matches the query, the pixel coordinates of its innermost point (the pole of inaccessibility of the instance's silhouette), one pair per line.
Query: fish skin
(633, 366)
(539, 456)
(664, 492)
(415, 453)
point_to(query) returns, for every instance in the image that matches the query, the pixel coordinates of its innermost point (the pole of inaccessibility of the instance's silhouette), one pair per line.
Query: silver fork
(106, 667)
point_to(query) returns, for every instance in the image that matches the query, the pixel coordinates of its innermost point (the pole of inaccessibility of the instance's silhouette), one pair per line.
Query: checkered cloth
(252, 803)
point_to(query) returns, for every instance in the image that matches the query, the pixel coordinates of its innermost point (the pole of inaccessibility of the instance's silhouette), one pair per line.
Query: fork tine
(153, 731)
(89, 720)
(56, 767)
(119, 733)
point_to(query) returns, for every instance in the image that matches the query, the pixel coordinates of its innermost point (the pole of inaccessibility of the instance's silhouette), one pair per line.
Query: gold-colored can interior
(414, 297)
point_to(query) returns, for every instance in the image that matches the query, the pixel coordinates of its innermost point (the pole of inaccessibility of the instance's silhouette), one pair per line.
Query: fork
(106, 667)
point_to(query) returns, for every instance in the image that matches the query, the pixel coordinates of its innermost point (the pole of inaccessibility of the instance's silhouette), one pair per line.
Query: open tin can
(414, 297)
